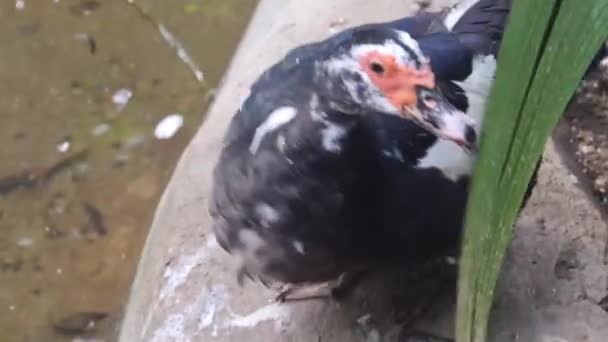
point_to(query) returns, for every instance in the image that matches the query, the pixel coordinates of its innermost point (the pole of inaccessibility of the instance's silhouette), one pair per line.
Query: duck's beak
(433, 112)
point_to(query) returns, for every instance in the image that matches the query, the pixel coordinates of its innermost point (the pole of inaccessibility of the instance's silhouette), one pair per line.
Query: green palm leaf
(546, 49)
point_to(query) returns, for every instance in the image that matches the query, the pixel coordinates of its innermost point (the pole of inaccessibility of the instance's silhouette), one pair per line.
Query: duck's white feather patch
(298, 246)
(276, 119)
(448, 157)
(268, 215)
(331, 135)
(281, 143)
(478, 85)
(407, 40)
(393, 153)
(457, 12)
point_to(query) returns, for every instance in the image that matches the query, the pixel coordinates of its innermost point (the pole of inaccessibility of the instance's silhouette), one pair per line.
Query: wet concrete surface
(85, 84)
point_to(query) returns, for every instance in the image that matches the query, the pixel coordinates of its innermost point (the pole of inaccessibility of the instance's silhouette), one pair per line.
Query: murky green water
(79, 175)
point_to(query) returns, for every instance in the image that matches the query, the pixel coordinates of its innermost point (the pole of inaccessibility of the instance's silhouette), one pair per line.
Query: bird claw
(330, 289)
(284, 291)
(303, 292)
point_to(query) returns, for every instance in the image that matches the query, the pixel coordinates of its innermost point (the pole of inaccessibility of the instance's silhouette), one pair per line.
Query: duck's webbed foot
(336, 289)
(303, 292)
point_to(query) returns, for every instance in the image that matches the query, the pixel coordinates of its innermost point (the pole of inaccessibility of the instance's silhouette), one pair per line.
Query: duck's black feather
(367, 204)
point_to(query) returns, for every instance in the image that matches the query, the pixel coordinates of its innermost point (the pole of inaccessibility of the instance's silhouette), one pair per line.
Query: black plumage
(305, 204)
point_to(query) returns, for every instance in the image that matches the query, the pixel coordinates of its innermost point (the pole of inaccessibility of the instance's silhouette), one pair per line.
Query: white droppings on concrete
(172, 330)
(298, 246)
(200, 313)
(212, 242)
(268, 215)
(276, 119)
(207, 316)
(277, 312)
(168, 127)
(214, 301)
(20, 5)
(175, 275)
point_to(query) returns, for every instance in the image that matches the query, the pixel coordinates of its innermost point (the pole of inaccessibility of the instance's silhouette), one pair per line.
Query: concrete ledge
(185, 288)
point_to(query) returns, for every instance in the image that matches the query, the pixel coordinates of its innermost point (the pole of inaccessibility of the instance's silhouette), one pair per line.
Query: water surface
(81, 174)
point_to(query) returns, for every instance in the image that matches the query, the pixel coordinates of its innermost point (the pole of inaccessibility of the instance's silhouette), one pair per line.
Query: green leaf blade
(538, 73)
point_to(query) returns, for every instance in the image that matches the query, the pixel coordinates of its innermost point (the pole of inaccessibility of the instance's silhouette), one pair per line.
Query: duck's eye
(428, 98)
(377, 68)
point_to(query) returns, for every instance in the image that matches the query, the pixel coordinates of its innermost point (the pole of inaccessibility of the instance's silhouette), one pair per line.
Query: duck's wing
(480, 24)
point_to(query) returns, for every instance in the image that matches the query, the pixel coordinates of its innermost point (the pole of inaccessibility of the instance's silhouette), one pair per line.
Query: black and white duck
(355, 152)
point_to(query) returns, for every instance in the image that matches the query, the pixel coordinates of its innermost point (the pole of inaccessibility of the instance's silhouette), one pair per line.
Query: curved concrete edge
(185, 288)
(180, 262)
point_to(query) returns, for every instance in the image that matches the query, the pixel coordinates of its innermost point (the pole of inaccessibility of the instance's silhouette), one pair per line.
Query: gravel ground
(583, 134)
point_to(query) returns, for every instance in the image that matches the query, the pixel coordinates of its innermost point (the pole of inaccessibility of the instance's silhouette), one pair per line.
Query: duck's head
(384, 70)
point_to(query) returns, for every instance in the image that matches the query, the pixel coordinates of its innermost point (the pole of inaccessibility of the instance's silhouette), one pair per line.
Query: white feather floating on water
(168, 127)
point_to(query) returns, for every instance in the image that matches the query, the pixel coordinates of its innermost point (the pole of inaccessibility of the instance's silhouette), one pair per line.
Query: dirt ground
(582, 135)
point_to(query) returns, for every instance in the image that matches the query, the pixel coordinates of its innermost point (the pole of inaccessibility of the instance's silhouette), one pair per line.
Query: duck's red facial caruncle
(413, 93)
(395, 80)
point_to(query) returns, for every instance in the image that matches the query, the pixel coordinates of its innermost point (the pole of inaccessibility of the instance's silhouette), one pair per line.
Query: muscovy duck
(355, 152)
